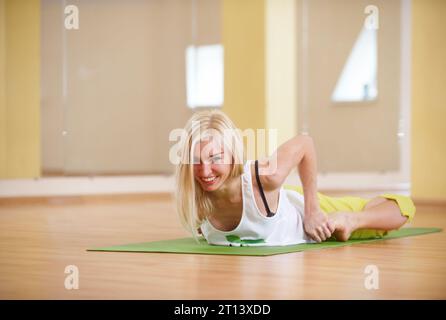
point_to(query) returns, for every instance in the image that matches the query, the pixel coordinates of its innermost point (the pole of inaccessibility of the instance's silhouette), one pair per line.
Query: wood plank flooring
(39, 238)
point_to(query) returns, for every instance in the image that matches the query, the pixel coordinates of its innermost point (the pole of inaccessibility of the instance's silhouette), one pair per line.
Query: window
(358, 78)
(204, 76)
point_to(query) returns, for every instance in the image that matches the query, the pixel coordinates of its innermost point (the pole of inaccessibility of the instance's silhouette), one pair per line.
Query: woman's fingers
(321, 233)
(327, 232)
(316, 237)
(331, 226)
(319, 229)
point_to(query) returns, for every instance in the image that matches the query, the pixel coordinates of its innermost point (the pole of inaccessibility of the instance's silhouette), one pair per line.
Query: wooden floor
(38, 239)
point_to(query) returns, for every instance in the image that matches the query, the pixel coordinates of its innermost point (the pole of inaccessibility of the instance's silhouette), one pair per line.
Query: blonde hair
(192, 203)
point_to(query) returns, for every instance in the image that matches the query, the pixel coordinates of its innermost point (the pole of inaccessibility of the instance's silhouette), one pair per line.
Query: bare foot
(344, 224)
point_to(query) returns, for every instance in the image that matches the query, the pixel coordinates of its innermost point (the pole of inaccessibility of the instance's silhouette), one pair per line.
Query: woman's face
(212, 164)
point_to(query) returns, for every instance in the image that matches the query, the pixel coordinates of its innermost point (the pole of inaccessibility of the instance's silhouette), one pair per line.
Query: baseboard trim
(80, 186)
(429, 202)
(83, 186)
(86, 199)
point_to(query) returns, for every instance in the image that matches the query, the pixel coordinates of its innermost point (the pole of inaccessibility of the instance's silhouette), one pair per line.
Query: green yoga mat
(188, 245)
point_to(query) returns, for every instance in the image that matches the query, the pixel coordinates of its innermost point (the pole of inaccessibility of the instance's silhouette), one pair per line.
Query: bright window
(204, 76)
(358, 78)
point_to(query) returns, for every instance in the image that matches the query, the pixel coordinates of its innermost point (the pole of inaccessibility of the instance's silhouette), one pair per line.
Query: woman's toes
(342, 235)
(343, 224)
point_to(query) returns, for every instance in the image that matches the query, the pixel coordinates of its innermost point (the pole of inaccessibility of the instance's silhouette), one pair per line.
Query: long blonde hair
(192, 203)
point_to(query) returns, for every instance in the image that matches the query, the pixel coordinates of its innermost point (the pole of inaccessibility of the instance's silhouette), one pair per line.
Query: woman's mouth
(209, 180)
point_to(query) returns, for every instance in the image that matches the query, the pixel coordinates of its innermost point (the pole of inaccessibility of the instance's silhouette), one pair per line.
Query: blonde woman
(234, 202)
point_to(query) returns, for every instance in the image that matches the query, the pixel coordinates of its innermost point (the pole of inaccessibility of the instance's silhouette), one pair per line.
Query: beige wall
(125, 77)
(19, 89)
(350, 136)
(429, 99)
(122, 59)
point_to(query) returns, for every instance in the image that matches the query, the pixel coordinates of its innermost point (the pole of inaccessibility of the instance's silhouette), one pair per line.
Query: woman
(232, 202)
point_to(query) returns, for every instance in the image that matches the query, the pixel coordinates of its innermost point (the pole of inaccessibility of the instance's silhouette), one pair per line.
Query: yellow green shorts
(355, 204)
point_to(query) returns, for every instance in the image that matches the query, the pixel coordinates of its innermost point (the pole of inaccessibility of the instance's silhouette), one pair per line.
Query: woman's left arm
(298, 152)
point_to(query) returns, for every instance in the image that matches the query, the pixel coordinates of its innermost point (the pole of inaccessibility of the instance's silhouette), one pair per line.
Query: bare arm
(307, 169)
(298, 152)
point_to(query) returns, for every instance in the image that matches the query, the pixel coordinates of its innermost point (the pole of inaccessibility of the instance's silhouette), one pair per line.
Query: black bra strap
(262, 194)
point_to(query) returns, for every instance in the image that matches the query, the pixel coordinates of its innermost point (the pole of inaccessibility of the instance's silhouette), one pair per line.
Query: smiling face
(212, 163)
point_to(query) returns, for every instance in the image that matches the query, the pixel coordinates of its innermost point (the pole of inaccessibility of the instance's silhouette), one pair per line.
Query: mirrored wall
(114, 81)
(354, 84)
(114, 85)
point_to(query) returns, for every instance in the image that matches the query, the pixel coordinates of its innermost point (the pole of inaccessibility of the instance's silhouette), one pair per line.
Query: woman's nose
(206, 169)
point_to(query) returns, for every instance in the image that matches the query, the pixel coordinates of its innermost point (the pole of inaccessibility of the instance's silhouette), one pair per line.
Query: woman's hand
(317, 226)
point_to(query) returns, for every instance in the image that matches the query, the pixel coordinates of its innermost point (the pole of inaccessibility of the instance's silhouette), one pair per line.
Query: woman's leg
(361, 218)
(379, 213)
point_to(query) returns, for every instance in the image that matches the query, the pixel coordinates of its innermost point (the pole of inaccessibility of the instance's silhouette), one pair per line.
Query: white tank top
(255, 229)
